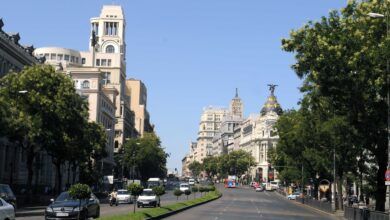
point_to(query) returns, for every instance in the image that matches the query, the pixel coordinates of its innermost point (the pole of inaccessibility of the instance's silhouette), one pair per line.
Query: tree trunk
(59, 175)
(29, 163)
(74, 169)
(340, 193)
(380, 194)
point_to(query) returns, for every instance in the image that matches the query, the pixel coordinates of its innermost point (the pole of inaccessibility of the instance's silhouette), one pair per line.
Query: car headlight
(48, 209)
(76, 209)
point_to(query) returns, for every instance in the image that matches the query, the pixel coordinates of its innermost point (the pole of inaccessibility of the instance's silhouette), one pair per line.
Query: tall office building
(136, 89)
(210, 122)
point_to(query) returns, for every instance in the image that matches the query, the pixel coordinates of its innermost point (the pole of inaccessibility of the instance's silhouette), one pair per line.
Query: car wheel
(86, 215)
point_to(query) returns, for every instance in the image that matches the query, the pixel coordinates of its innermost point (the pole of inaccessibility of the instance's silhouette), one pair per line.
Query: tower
(236, 106)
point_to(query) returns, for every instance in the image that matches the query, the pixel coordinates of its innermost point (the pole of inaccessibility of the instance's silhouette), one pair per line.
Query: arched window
(110, 49)
(85, 84)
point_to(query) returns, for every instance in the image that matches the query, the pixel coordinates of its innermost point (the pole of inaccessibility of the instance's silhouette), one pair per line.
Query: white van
(184, 186)
(191, 182)
(274, 184)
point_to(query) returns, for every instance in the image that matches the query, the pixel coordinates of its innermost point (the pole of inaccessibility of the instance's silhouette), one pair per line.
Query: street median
(165, 211)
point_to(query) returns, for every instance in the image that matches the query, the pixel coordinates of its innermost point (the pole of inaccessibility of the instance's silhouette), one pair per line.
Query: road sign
(387, 175)
(387, 183)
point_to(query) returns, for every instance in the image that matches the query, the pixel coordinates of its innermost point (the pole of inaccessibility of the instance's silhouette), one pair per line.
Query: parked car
(66, 207)
(259, 188)
(7, 194)
(124, 196)
(7, 211)
(293, 196)
(147, 198)
(184, 186)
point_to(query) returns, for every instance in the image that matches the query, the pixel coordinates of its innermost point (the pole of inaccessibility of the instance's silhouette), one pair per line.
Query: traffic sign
(387, 183)
(387, 175)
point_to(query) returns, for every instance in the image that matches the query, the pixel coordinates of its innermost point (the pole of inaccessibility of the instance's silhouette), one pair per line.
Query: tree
(236, 163)
(46, 116)
(177, 193)
(148, 156)
(340, 59)
(195, 189)
(159, 191)
(94, 141)
(210, 165)
(80, 192)
(195, 168)
(187, 193)
(135, 190)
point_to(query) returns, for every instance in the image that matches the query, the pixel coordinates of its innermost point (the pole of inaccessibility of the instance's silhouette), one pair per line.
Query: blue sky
(189, 53)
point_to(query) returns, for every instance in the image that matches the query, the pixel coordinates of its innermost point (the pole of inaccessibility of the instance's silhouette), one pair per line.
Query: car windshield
(147, 193)
(64, 197)
(6, 190)
(183, 185)
(123, 192)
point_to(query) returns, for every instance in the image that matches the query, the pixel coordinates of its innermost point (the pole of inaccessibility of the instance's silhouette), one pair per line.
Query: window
(66, 57)
(109, 62)
(53, 56)
(82, 60)
(110, 49)
(72, 59)
(46, 56)
(59, 56)
(77, 60)
(85, 84)
(106, 78)
(97, 62)
(104, 62)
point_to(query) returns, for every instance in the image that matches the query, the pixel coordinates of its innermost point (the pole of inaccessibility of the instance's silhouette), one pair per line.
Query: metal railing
(353, 213)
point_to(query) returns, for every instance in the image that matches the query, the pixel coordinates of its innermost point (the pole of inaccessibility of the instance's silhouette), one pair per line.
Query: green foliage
(211, 188)
(135, 189)
(195, 168)
(210, 165)
(159, 190)
(80, 191)
(147, 155)
(156, 212)
(187, 193)
(342, 61)
(177, 193)
(195, 189)
(49, 116)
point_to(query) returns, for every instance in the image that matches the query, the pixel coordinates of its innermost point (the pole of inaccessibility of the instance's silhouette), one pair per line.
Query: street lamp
(386, 16)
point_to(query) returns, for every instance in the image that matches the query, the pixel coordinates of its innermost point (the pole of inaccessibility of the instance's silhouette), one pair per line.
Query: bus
(230, 182)
(152, 182)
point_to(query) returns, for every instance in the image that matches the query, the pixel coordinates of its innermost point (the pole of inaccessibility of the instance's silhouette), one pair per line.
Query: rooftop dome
(271, 105)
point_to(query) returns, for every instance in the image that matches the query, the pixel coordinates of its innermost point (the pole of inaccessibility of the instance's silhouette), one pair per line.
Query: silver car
(7, 210)
(124, 196)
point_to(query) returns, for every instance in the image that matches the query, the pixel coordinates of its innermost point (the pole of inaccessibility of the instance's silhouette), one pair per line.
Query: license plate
(145, 203)
(62, 214)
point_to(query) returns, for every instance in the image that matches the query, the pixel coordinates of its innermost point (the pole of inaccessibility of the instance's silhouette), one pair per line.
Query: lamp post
(386, 17)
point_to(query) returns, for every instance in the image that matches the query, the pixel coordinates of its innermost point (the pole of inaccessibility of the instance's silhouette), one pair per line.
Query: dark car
(7, 194)
(65, 207)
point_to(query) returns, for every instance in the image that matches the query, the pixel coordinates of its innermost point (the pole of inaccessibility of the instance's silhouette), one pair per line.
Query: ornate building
(258, 136)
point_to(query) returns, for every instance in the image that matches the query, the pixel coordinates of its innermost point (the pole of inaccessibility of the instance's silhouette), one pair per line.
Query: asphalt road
(245, 203)
(107, 210)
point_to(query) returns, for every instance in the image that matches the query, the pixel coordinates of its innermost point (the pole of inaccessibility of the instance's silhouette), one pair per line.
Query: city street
(245, 203)
(107, 210)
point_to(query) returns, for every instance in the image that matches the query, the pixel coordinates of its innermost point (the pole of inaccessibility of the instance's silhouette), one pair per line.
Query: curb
(311, 207)
(182, 209)
(28, 214)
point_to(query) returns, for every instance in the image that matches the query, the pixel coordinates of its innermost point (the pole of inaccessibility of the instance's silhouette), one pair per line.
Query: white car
(191, 182)
(184, 186)
(293, 196)
(7, 210)
(147, 198)
(124, 196)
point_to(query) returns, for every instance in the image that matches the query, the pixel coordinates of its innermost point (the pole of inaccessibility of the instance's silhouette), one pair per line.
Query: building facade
(210, 123)
(137, 90)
